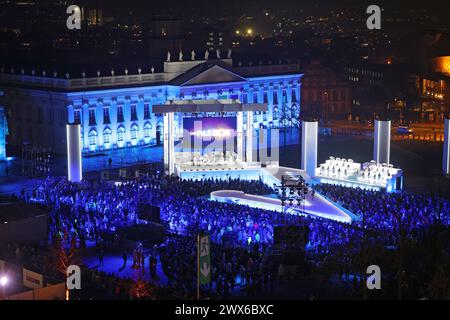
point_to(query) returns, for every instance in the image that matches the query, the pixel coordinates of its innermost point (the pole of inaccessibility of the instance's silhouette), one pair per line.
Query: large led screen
(212, 133)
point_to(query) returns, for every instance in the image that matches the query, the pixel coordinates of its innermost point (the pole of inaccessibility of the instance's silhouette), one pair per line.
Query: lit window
(120, 134)
(93, 138)
(120, 114)
(133, 113)
(147, 129)
(77, 116)
(107, 136)
(134, 132)
(92, 121)
(147, 111)
(106, 117)
(275, 97)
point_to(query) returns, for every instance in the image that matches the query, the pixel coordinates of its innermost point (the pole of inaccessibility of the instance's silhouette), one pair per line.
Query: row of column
(309, 145)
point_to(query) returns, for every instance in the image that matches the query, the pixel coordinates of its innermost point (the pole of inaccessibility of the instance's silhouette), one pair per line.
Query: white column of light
(74, 161)
(249, 135)
(3, 132)
(171, 142)
(446, 156)
(240, 136)
(382, 141)
(166, 140)
(309, 147)
(263, 143)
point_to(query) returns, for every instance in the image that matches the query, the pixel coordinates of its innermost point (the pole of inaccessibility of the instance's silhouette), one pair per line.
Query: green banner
(204, 259)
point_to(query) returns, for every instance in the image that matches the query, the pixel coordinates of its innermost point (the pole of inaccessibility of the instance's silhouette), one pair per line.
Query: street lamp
(3, 282)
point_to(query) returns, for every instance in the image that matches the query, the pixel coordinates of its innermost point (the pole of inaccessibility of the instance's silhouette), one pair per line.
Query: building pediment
(207, 74)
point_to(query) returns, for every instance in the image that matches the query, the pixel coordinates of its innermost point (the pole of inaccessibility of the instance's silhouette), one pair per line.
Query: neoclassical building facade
(116, 111)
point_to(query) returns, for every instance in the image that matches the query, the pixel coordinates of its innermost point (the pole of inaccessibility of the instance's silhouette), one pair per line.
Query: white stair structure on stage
(74, 161)
(309, 147)
(369, 175)
(382, 141)
(446, 155)
(220, 107)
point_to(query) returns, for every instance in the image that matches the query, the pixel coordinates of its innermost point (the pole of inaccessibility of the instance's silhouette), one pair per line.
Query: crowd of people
(85, 212)
(387, 213)
(242, 236)
(232, 267)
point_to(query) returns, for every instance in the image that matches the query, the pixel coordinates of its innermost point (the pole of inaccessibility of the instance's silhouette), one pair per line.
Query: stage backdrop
(214, 133)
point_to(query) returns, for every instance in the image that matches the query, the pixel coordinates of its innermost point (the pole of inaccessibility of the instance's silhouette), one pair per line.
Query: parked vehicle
(404, 130)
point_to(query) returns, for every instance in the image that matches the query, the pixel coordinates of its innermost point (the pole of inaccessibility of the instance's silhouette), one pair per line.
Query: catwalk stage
(315, 205)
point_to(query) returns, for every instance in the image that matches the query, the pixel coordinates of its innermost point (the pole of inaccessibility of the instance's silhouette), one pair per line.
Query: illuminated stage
(218, 141)
(223, 136)
(313, 205)
(316, 205)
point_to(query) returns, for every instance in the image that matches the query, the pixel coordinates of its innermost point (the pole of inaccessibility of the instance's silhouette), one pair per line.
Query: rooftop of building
(173, 73)
(382, 67)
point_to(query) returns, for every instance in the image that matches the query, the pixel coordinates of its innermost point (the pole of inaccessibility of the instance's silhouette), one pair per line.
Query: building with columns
(115, 111)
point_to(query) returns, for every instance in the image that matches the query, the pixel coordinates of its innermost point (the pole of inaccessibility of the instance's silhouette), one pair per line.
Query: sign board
(204, 260)
(32, 279)
(209, 132)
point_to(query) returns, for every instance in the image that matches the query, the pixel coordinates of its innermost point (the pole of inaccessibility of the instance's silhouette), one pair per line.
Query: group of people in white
(377, 172)
(347, 169)
(338, 168)
(214, 158)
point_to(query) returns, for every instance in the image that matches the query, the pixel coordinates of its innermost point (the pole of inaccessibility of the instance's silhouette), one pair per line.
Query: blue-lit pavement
(113, 264)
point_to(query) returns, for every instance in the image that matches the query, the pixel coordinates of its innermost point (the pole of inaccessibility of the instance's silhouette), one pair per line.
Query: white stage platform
(315, 205)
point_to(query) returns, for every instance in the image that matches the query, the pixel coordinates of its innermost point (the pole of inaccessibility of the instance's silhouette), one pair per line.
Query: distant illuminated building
(94, 17)
(442, 65)
(324, 94)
